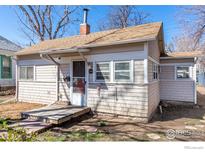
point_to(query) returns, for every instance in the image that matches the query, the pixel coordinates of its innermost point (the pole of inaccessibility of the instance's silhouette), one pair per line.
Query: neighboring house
(114, 71)
(7, 64)
(200, 70)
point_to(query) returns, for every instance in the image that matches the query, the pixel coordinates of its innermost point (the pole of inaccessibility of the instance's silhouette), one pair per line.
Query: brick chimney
(84, 27)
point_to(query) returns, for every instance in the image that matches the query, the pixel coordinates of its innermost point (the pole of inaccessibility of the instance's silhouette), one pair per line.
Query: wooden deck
(55, 114)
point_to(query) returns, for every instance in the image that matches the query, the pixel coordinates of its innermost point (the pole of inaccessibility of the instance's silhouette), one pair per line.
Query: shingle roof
(141, 32)
(185, 54)
(6, 45)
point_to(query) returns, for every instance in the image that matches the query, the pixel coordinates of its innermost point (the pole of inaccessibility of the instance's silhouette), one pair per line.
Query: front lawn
(12, 110)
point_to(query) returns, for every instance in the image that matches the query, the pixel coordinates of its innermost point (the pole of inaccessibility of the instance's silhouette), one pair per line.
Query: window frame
(2, 68)
(25, 79)
(131, 72)
(176, 78)
(109, 71)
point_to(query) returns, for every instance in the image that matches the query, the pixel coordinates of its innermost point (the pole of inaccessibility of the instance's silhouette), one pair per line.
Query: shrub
(102, 123)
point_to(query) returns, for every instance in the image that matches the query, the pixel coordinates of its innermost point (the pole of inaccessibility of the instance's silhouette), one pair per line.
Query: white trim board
(178, 64)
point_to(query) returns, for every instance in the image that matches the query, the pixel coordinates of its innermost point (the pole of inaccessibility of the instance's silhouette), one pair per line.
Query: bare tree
(123, 16)
(192, 20)
(182, 43)
(45, 22)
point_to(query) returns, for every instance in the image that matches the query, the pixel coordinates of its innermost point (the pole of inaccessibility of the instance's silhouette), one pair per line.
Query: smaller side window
(26, 73)
(182, 72)
(155, 71)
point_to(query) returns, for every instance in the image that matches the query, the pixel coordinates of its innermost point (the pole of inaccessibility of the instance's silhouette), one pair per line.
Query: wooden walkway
(56, 113)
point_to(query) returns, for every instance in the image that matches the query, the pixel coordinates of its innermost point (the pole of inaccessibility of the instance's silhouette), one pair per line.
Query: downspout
(48, 57)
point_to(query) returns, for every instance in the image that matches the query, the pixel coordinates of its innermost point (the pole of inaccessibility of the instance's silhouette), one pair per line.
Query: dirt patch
(112, 128)
(13, 110)
(4, 98)
(201, 95)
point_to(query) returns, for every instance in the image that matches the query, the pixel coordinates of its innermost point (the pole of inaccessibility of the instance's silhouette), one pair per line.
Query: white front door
(78, 83)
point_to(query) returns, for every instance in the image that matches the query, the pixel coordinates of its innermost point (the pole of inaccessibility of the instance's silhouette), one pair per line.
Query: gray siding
(43, 89)
(42, 92)
(139, 71)
(153, 50)
(119, 99)
(64, 87)
(123, 99)
(153, 97)
(177, 90)
(167, 72)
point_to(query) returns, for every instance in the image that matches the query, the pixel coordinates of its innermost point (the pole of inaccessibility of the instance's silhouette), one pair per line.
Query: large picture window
(182, 72)
(26, 73)
(103, 71)
(122, 71)
(6, 71)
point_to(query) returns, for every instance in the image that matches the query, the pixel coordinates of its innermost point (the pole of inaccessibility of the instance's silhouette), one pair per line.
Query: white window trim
(131, 72)
(184, 79)
(112, 72)
(19, 76)
(95, 71)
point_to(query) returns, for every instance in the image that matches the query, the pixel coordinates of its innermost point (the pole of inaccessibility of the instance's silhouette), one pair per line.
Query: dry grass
(13, 110)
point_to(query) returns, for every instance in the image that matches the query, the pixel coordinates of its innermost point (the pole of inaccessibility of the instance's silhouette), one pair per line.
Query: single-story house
(117, 71)
(7, 64)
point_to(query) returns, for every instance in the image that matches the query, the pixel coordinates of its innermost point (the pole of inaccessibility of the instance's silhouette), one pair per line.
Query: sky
(10, 26)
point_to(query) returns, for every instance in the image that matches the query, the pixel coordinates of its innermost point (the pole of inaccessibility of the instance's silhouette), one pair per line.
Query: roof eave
(7, 52)
(85, 48)
(119, 42)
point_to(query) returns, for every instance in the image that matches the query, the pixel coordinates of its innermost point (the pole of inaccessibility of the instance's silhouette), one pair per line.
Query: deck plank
(56, 114)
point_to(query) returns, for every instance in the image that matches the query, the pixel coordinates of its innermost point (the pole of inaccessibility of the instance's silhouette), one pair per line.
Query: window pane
(6, 62)
(182, 72)
(122, 75)
(29, 72)
(103, 67)
(6, 68)
(122, 66)
(22, 72)
(102, 75)
(103, 71)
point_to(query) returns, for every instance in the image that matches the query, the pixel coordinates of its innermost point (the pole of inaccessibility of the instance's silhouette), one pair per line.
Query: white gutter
(64, 50)
(175, 57)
